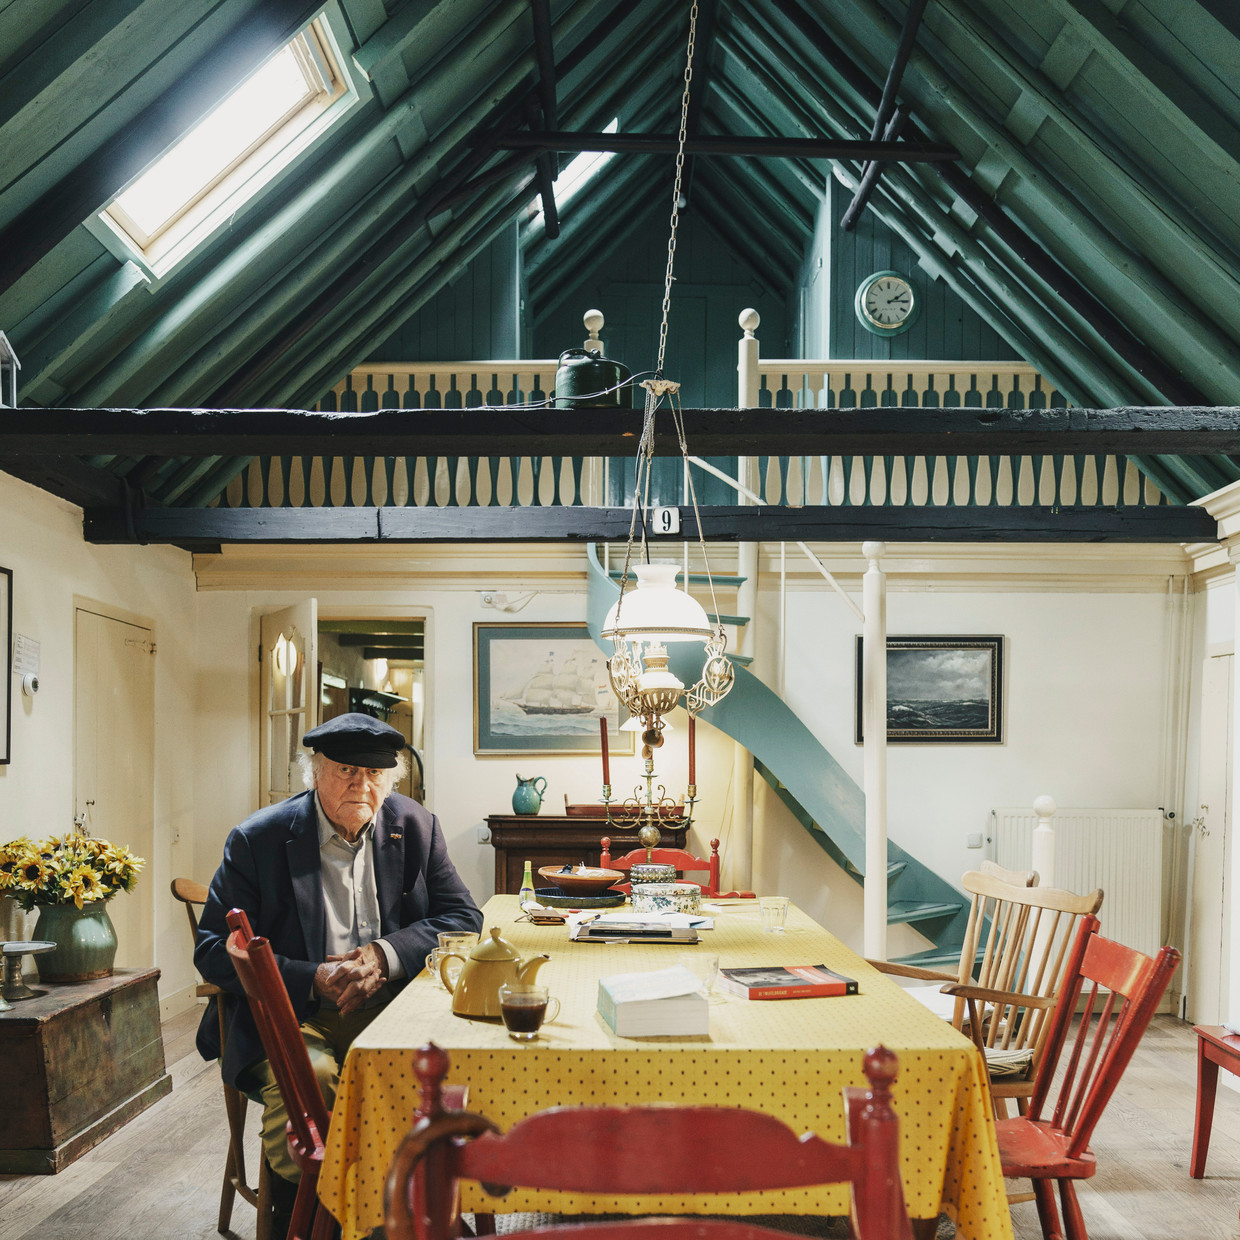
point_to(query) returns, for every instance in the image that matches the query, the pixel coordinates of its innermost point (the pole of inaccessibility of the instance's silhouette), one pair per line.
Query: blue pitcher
(529, 794)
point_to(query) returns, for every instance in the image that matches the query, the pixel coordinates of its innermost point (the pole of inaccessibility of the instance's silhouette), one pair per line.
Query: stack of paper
(662, 1003)
(637, 927)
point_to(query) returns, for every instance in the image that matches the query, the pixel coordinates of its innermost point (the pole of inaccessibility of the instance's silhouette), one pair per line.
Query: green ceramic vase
(85, 942)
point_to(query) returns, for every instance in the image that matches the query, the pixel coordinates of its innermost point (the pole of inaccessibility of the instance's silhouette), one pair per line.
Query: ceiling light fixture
(654, 613)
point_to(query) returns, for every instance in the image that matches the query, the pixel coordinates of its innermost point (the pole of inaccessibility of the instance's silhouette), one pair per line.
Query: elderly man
(351, 883)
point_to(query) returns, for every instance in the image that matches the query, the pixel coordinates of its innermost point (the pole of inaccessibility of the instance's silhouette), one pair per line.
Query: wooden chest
(80, 1061)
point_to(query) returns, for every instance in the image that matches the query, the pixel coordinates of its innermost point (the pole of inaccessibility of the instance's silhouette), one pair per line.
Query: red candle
(602, 727)
(692, 754)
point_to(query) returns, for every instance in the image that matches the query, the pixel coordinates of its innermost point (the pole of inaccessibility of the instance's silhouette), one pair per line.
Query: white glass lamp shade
(656, 611)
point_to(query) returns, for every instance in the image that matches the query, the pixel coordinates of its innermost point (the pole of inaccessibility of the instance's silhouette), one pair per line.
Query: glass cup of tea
(774, 910)
(455, 943)
(524, 1007)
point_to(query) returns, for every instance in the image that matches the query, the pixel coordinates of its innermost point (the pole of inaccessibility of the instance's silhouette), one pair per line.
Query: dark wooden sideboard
(555, 839)
(80, 1060)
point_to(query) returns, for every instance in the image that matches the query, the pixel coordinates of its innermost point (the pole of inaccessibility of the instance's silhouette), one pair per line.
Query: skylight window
(232, 153)
(578, 173)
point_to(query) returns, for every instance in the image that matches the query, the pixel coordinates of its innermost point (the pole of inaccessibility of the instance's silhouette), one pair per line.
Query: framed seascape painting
(542, 688)
(947, 689)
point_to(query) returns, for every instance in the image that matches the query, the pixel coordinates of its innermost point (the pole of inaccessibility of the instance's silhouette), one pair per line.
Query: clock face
(886, 304)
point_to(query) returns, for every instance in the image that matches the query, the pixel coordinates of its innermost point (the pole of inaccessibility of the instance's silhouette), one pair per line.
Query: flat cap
(356, 740)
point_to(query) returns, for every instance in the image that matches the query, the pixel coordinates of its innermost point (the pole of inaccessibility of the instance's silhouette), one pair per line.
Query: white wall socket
(484, 833)
(974, 840)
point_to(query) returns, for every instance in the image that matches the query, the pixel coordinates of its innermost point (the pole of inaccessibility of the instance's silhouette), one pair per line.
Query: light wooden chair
(308, 1116)
(1051, 1142)
(660, 1151)
(684, 863)
(1012, 966)
(193, 896)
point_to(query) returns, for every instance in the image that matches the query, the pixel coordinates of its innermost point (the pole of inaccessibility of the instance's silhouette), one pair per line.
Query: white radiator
(1119, 850)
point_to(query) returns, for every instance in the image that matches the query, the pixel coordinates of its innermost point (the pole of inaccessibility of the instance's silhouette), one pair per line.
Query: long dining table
(791, 1058)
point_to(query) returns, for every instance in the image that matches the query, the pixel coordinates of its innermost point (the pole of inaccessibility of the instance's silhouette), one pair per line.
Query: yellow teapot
(492, 963)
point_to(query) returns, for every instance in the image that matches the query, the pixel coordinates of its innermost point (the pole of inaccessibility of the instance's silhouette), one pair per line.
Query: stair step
(945, 961)
(894, 868)
(901, 912)
(736, 620)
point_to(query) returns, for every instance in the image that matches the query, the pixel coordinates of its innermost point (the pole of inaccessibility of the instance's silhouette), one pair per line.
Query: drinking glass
(524, 1007)
(705, 966)
(774, 911)
(456, 943)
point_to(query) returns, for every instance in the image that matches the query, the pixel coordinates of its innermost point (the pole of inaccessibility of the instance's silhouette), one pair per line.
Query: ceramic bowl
(666, 898)
(581, 880)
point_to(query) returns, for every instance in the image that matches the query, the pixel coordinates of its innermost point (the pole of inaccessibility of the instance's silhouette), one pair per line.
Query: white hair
(312, 764)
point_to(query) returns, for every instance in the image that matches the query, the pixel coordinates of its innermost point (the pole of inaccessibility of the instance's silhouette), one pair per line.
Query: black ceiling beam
(1010, 523)
(545, 174)
(393, 652)
(704, 42)
(885, 114)
(105, 171)
(67, 476)
(544, 55)
(723, 144)
(515, 430)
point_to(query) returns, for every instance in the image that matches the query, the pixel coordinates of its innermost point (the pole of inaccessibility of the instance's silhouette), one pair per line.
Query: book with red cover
(796, 981)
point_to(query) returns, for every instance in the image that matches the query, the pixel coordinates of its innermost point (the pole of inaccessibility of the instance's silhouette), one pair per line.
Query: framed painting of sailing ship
(542, 688)
(947, 689)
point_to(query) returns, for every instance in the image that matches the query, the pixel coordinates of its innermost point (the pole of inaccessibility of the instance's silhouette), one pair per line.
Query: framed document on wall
(6, 633)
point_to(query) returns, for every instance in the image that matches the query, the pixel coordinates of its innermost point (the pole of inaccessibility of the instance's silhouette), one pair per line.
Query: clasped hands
(350, 980)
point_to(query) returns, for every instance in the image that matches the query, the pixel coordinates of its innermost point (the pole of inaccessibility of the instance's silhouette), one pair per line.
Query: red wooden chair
(1056, 1147)
(685, 862)
(193, 896)
(657, 1150)
(308, 1116)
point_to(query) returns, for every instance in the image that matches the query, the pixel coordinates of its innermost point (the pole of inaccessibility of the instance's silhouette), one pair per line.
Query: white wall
(41, 542)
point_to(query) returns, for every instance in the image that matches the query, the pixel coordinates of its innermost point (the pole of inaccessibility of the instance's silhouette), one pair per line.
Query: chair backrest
(193, 896)
(684, 862)
(656, 1151)
(1018, 878)
(1122, 989)
(256, 967)
(1023, 935)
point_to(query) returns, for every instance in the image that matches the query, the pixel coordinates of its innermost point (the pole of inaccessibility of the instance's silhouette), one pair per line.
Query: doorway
(377, 667)
(114, 758)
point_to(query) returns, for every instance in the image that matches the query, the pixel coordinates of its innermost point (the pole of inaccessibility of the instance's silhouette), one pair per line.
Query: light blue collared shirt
(351, 892)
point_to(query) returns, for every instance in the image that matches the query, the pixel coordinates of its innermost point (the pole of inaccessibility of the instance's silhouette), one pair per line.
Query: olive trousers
(328, 1036)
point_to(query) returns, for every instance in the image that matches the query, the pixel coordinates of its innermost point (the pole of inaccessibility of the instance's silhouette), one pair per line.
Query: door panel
(1208, 961)
(289, 689)
(114, 761)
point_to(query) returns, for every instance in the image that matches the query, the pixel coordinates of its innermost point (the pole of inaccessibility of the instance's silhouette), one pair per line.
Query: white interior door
(1208, 958)
(289, 695)
(114, 761)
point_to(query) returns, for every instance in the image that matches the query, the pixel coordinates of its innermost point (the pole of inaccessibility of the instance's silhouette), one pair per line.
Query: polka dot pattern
(791, 1058)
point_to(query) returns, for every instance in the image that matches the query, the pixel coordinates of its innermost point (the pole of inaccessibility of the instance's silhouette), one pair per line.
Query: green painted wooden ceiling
(1093, 215)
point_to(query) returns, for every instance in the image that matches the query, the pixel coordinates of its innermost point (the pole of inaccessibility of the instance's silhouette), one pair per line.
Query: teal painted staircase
(823, 797)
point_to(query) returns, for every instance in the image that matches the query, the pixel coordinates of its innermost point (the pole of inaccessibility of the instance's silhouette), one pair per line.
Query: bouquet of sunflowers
(68, 869)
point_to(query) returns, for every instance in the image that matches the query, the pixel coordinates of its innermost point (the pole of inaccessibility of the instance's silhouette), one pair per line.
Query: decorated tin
(657, 873)
(666, 898)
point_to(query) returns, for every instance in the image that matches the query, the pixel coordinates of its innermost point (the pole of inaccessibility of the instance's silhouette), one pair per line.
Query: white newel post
(593, 321)
(1042, 853)
(742, 874)
(874, 727)
(594, 481)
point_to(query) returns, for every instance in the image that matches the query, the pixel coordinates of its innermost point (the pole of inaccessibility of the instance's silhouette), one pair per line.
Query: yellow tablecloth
(791, 1058)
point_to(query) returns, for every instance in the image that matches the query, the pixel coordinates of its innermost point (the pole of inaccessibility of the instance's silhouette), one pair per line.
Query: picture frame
(542, 688)
(6, 637)
(941, 690)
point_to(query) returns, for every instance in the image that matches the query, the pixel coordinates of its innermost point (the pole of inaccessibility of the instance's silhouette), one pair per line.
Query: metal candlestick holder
(12, 988)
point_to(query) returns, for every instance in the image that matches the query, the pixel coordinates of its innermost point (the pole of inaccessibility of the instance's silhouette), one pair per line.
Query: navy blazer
(271, 870)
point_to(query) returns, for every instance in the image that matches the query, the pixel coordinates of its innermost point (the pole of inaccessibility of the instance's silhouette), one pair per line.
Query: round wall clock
(886, 303)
